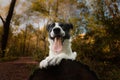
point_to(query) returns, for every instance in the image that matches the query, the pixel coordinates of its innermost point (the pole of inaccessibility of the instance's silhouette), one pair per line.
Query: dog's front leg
(51, 60)
(57, 59)
(44, 63)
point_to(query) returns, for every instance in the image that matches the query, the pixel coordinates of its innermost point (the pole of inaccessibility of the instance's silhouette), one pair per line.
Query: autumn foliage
(96, 33)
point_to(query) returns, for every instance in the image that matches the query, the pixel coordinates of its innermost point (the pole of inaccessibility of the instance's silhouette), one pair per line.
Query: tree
(6, 27)
(101, 44)
(56, 10)
(41, 36)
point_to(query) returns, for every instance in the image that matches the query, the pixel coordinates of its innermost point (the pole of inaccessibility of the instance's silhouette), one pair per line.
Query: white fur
(55, 58)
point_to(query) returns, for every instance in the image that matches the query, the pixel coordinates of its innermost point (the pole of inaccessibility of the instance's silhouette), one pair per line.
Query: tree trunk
(56, 10)
(24, 41)
(6, 27)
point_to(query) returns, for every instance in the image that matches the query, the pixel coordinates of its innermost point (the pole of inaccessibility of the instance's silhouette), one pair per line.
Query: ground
(17, 70)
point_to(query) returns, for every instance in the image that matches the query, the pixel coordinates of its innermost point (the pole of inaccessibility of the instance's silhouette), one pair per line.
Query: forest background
(96, 33)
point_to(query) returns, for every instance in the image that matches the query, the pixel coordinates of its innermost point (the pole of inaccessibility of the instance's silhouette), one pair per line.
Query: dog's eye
(53, 24)
(61, 25)
(64, 28)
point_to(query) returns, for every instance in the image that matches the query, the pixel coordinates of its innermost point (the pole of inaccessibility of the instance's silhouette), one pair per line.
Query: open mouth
(57, 44)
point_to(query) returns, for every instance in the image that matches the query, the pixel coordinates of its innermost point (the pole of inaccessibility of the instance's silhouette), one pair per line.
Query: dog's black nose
(56, 30)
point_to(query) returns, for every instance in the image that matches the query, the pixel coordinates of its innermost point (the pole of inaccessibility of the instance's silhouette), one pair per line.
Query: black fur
(66, 70)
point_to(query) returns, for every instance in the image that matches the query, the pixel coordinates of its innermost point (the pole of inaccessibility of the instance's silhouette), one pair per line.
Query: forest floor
(20, 69)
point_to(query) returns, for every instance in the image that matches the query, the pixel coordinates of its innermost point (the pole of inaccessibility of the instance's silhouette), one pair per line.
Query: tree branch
(2, 19)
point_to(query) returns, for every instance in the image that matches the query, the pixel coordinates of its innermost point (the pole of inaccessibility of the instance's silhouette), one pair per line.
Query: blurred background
(96, 33)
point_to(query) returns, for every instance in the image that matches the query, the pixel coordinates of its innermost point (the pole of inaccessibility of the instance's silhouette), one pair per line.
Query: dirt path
(17, 70)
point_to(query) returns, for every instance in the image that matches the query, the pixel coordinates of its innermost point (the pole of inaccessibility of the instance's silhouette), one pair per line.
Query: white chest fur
(55, 58)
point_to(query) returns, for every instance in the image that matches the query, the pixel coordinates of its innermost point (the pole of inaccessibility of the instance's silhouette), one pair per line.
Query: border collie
(60, 44)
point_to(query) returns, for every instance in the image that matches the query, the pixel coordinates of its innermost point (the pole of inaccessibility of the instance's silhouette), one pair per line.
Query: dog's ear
(70, 25)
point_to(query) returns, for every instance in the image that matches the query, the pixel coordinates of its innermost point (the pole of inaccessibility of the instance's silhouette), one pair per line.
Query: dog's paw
(50, 61)
(43, 64)
(54, 61)
(74, 55)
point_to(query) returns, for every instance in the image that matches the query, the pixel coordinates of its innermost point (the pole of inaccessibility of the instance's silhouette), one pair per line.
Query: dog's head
(58, 32)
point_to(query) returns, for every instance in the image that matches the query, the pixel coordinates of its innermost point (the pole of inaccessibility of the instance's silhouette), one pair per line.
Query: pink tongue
(57, 45)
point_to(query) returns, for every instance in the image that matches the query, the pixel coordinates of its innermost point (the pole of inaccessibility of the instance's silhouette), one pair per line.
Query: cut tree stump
(66, 70)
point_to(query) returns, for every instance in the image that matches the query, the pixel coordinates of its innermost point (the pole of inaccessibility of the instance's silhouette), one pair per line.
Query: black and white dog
(60, 44)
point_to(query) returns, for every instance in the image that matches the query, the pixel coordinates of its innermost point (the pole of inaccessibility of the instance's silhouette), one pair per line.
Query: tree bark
(56, 10)
(6, 28)
(24, 41)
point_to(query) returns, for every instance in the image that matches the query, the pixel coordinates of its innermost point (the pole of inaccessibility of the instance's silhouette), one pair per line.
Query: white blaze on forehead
(57, 24)
(61, 30)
